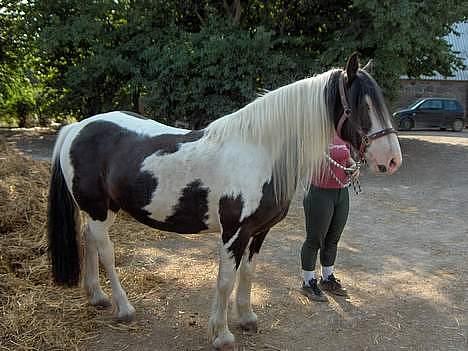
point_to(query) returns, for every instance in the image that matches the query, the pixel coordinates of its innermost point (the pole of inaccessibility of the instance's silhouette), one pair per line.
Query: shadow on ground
(403, 257)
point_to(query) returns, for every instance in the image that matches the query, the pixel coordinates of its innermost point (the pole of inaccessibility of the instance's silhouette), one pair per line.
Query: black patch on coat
(269, 212)
(256, 243)
(188, 216)
(107, 160)
(230, 210)
(192, 209)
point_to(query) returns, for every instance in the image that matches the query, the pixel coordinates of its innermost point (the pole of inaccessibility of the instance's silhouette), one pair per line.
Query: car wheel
(457, 125)
(406, 124)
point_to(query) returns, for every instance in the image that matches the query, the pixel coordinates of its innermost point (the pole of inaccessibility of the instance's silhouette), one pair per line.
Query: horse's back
(134, 123)
(100, 127)
(102, 155)
(169, 178)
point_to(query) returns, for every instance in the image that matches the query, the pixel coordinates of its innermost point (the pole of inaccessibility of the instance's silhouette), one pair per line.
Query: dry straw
(34, 313)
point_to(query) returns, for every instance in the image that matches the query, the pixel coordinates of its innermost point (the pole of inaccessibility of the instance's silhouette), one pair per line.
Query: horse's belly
(189, 184)
(190, 211)
(182, 221)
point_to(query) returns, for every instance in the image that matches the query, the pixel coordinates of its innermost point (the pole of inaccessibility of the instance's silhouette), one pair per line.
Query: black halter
(366, 139)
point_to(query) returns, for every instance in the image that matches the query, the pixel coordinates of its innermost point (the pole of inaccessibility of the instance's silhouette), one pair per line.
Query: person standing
(326, 207)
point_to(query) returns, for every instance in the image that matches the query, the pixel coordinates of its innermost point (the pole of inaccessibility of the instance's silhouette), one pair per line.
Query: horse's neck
(270, 120)
(291, 124)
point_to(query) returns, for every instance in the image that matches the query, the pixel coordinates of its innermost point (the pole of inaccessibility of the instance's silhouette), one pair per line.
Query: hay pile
(34, 313)
(32, 310)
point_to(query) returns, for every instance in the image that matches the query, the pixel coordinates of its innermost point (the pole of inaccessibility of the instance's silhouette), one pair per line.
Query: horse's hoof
(102, 302)
(226, 346)
(224, 342)
(126, 315)
(98, 298)
(250, 327)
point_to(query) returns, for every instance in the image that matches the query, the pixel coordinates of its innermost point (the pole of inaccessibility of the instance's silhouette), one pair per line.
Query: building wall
(411, 90)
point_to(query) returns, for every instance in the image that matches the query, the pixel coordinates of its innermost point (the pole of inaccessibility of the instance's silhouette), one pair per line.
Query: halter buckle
(365, 140)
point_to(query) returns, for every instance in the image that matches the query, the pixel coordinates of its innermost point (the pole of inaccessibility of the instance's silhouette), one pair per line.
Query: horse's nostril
(394, 165)
(382, 168)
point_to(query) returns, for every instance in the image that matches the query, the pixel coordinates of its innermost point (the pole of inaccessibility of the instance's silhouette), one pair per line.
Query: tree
(198, 77)
(196, 61)
(22, 85)
(404, 37)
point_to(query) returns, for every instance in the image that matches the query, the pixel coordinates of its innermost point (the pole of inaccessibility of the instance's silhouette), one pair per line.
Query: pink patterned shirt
(338, 150)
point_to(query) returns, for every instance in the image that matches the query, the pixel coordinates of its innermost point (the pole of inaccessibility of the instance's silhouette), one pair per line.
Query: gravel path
(403, 257)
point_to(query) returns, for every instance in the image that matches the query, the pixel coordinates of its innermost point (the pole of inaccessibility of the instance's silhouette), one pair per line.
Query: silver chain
(355, 182)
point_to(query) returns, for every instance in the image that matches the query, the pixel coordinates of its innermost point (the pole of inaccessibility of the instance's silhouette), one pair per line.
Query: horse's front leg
(248, 318)
(218, 330)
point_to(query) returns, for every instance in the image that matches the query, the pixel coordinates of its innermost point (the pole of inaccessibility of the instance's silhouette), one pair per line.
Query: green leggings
(326, 213)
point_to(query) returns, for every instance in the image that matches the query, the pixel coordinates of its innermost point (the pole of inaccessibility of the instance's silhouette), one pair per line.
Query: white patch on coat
(383, 149)
(220, 167)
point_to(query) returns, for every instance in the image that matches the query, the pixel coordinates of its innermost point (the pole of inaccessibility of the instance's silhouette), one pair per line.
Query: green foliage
(403, 37)
(198, 77)
(18, 101)
(194, 61)
(24, 95)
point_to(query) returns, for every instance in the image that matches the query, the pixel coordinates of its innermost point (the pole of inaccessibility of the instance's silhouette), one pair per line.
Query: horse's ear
(352, 67)
(369, 67)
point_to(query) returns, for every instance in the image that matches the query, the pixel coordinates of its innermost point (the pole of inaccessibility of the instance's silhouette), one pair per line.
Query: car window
(432, 105)
(450, 105)
(414, 104)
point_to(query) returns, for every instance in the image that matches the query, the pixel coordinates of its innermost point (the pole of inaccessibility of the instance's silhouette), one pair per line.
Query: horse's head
(362, 118)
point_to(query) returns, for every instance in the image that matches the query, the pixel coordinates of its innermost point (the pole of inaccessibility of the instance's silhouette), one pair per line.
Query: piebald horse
(237, 177)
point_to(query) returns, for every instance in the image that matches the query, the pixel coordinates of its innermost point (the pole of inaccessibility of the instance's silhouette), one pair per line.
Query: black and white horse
(237, 177)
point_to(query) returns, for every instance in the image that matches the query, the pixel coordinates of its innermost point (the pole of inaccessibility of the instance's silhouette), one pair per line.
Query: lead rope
(355, 182)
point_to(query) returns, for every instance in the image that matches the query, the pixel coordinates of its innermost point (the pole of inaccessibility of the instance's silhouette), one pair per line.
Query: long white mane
(292, 123)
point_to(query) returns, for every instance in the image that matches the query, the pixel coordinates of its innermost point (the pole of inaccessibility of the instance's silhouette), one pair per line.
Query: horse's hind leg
(96, 296)
(99, 234)
(248, 318)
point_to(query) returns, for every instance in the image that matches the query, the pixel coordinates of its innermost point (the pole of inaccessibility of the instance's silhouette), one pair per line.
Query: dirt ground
(403, 257)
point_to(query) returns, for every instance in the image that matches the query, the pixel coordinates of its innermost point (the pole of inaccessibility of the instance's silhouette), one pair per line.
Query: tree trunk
(136, 100)
(233, 11)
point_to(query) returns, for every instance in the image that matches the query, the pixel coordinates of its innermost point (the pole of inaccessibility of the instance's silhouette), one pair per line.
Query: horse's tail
(63, 223)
